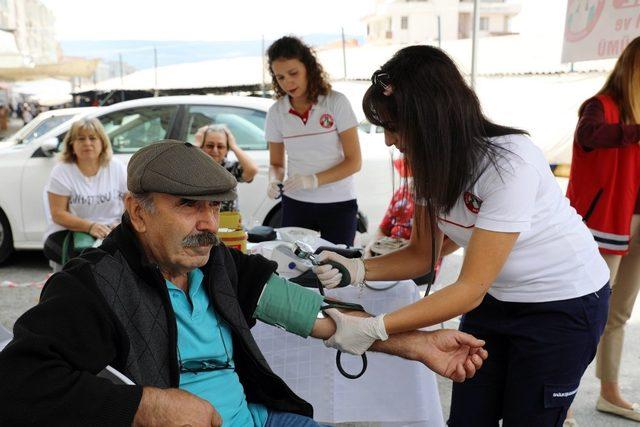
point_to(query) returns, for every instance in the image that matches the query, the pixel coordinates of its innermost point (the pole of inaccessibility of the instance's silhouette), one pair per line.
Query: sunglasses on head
(381, 78)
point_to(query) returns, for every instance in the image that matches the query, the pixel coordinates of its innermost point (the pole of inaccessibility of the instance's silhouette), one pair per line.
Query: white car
(25, 168)
(43, 123)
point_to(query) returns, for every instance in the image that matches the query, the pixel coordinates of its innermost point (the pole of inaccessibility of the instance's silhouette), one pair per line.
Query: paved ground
(14, 125)
(30, 267)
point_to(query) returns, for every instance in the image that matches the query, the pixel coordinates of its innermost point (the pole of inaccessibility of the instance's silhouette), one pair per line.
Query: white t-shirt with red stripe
(555, 256)
(314, 146)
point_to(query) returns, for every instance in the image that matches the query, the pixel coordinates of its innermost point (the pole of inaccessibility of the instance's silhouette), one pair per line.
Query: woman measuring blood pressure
(533, 284)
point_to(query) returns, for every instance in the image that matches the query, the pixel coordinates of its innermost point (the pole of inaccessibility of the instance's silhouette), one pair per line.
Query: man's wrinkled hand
(174, 407)
(450, 353)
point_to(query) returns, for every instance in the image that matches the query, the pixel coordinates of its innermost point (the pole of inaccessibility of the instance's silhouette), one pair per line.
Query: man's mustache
(205, 238)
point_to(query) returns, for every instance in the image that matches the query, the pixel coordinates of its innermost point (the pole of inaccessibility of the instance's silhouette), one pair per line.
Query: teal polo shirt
(202, 335)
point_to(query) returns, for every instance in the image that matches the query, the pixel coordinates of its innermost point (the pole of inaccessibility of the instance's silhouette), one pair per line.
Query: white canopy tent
(517, 54)
(47, 92)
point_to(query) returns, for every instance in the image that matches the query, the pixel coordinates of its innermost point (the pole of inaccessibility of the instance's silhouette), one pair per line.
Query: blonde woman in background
(604, 188)
(86, 189)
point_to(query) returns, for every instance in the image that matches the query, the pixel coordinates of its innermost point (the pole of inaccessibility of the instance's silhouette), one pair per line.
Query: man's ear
(136, 213)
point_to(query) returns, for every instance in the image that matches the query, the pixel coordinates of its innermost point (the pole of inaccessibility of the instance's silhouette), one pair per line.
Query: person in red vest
(603, 188)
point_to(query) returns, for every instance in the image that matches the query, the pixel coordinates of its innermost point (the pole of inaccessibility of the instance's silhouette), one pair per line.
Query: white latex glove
(273, 190)
(330, 277)
(355, 335)
(300, 182)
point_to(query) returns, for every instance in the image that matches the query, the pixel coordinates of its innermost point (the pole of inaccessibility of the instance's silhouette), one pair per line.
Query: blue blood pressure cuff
(288, 306)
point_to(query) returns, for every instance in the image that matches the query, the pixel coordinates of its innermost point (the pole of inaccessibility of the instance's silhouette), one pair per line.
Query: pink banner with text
(599, 29)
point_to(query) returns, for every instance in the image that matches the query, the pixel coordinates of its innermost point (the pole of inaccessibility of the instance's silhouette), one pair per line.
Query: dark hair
(420, 94)
(290, 47)
(623, 84)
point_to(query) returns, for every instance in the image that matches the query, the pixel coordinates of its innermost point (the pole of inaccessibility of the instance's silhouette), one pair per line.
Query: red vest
(603, 187)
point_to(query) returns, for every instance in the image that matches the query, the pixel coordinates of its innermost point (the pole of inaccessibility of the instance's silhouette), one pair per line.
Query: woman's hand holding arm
(452, 354)
(486, 254)
(484, 258)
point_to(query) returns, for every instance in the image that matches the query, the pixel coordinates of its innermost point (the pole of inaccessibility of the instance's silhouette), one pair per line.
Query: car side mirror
(49, 146)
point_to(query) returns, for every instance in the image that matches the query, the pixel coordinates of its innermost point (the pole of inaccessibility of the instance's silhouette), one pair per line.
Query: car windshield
(35, 129)
(45, 127)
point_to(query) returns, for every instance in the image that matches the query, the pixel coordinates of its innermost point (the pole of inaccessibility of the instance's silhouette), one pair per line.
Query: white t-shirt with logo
(315, 146)
(97, 198)
(555, 257)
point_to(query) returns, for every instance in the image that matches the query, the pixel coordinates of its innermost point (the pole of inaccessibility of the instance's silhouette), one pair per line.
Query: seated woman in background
(86, 190)
(395, 228)
(217, 140)
(398, 219)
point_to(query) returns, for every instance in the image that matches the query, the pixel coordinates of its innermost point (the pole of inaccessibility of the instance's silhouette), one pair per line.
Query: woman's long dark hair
(438, 118)
(290, 47)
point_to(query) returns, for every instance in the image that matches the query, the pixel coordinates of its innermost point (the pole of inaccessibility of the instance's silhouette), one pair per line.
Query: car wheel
(6, 238)
(274, 217)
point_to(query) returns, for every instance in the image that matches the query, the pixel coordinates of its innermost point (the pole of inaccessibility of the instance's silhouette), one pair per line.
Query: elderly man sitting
(163, 302)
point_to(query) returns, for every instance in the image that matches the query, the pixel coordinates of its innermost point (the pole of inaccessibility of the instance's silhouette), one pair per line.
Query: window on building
(404, 23)
(484, 23)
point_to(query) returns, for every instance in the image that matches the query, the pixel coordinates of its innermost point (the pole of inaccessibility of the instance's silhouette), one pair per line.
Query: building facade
(32, 26)
(419, 21)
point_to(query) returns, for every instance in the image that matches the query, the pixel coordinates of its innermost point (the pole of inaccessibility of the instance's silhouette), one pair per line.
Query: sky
(207, 20)
(221, 20)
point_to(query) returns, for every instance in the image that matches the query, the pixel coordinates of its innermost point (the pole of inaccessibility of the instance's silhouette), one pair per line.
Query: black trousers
(537, 355)
(336, 222)
(53, 246)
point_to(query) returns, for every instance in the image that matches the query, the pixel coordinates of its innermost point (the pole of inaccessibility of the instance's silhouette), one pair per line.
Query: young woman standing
(317, 130)
(604, 189)
(532, 284)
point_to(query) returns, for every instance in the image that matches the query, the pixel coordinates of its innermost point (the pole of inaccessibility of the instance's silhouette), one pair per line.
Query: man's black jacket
(110, 306)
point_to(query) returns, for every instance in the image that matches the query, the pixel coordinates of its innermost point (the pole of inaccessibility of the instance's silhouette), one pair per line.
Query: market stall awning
(75, 68)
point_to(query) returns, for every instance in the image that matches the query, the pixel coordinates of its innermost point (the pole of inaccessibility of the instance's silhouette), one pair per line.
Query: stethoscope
(304, 251)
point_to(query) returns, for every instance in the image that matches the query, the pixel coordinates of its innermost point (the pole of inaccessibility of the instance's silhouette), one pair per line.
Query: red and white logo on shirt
(326, 120)
(472, 202)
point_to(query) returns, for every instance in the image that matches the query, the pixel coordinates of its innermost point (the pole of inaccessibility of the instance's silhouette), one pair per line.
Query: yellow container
(236, 239)
(231, 220)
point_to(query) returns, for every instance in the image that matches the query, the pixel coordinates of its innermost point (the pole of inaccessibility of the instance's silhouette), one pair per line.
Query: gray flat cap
(180, 169)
